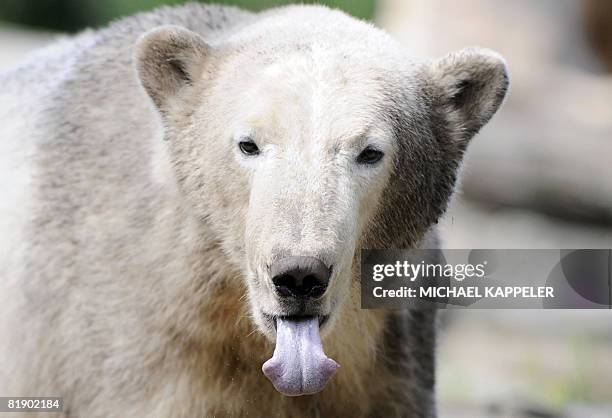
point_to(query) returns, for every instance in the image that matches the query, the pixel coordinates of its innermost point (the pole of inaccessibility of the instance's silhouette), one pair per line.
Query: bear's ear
(467, 88)
(167, 59)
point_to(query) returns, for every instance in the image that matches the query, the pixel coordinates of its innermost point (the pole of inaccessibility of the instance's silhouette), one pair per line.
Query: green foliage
(72, 15)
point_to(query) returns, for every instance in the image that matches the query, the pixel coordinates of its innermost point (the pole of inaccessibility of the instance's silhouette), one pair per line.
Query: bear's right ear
(168, 59)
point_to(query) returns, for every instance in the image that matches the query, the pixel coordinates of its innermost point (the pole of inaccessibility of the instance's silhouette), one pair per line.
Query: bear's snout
(300, 277)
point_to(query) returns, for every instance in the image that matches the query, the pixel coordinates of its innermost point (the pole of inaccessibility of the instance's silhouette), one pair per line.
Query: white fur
(137, 236)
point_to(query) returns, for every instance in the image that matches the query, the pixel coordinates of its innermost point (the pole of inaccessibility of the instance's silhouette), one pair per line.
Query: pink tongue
(299, 366)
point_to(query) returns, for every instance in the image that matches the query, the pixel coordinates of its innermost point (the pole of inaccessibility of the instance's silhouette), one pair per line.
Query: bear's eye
(248, 147)
(370, 155)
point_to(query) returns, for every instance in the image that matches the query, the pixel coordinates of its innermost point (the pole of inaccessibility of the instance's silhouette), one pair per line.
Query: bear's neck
(219, 348)
(219, 322)
(227, 353)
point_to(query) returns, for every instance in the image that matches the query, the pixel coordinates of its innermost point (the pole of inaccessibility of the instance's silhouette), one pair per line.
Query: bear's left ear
(168, 59)
(467, 87)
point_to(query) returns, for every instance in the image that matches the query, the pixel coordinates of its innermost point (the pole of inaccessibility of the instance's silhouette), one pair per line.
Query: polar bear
(185, 194)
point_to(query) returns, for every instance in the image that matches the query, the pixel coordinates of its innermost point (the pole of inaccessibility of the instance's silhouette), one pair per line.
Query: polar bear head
(307, 135)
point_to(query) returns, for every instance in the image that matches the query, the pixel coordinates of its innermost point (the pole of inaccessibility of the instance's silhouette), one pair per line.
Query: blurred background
(538, 176)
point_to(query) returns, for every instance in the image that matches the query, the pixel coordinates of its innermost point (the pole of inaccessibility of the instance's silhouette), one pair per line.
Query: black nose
(300, 277)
